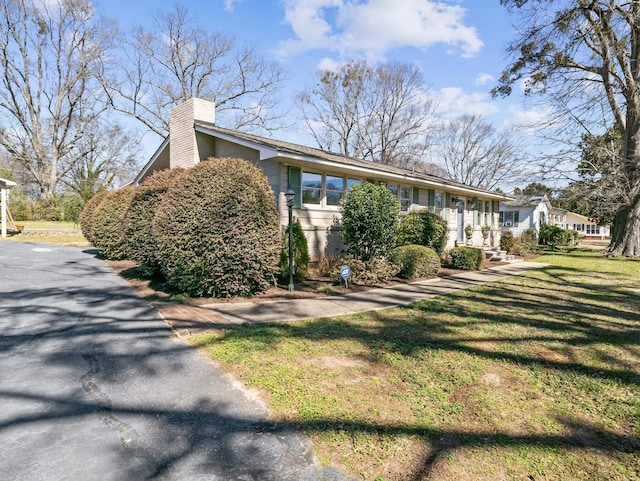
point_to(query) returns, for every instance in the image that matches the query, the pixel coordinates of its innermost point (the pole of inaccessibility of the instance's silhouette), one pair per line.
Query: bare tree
(107, 156)
(381, 113)
(161, 68)
(584, 57)
(47, 55)
(471, 151)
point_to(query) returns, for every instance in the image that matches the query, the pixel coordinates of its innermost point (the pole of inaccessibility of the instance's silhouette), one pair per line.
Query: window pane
(405, 198)
(393, 188)
(335, 183)
(438, 200)
(333, 197)
(351, 182)
(311, 180)
(311, 196)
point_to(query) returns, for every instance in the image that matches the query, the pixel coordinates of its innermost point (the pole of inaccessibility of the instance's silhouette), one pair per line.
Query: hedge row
(212, 230)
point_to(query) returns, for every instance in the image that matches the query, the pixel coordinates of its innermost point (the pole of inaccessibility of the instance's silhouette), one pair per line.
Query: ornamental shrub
(108, 220)
(416, 261)
(423, 228)
(301, 257)
(553, 236)
(369, 221)
(217, 230)
(87, 215)
(365, 273)
(506, 241)
(141, 247)
(467, 258)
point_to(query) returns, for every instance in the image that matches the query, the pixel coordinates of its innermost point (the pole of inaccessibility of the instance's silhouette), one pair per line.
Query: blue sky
(458, 44)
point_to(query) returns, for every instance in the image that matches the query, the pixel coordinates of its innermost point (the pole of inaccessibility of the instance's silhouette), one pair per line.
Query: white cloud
(229, 4)
(484, 79)
(373, 27)
(454, 102)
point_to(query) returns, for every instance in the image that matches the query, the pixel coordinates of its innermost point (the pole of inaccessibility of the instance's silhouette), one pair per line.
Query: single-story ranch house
(525, 212)
(321, 179)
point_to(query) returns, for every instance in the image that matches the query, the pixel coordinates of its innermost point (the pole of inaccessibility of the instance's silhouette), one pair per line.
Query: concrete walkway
(187, 319)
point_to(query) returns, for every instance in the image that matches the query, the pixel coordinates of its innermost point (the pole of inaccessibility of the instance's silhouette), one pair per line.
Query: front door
(460, 222)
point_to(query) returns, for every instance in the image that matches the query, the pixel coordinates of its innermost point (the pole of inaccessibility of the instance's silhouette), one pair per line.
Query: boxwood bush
(217, 230)
(108, 223)
(141, 246)
(467, 258)
(300, 256)
(416, 261)
(87, 215)
(551, 235)
(423, 228)
(365, 273)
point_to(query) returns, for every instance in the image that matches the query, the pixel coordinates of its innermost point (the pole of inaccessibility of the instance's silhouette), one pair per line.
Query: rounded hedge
(467, 258)
(87, 215)
(506, 241)
(423, 228)
(217, 230)
(416, 261)
(107, 223)
(141, 247)
(365, 273)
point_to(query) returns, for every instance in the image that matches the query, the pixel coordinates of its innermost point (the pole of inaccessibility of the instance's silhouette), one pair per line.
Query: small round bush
(365, 273)
(553, 236)
(467, 258)
(416, 261)
(300, 256)
(423, 228)
(87, 215)
(369, 221)
(141, 247)
(108, 221)
(217, 230)
(506, 241)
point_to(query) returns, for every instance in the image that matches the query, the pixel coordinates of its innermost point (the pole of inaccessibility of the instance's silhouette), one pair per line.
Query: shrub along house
(321, 179)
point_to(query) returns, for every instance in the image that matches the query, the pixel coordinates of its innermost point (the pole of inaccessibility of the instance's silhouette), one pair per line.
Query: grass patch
(50, 232)
(532, 377)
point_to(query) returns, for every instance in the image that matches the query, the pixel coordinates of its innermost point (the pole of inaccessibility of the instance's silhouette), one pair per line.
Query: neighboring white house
(5, 185)
(321, 179)
(585, 226)
(525, 212)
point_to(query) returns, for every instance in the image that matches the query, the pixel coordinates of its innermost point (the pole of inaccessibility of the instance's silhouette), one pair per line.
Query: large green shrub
(506, 241)
(467, 258)
(300, 256)
(19, 205)
(108, 234)
(141, 247)
(369, 221)
(553, 236)
(87, 216)
(416, 261)
(217, 230)
(423, 228)
(366, 273)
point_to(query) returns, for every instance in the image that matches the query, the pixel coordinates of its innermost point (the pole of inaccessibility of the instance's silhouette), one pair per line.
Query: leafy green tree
(370, 216)
(300, 256)
(584, 56)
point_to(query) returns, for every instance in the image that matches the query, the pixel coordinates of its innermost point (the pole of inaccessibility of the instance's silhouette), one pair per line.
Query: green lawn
(535, 377)
(50, 232)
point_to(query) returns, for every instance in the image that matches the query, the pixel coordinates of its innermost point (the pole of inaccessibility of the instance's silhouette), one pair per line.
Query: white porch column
(5, 185)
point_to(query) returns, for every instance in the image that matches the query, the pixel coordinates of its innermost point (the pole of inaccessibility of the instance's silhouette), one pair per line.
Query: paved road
(93, 387)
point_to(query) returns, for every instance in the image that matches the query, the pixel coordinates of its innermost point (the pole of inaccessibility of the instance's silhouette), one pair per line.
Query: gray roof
(288, 148)
(528, 200)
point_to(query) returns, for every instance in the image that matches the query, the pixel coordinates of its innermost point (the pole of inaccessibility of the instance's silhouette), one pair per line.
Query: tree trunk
(625, 231)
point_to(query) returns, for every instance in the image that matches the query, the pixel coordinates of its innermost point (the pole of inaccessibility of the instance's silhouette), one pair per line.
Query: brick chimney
(184, 150)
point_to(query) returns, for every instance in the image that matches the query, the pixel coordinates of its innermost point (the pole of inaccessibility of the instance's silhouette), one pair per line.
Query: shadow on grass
(562, 309)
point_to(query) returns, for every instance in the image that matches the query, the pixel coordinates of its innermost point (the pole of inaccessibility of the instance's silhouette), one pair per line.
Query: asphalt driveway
(94, 387)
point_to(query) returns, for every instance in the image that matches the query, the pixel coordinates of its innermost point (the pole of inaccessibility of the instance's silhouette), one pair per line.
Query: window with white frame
(334, 189)
(509, 218)
(578, 227)
(405, 198)
(487, 213)
(593, 229)
(437, 202)
(311, 188)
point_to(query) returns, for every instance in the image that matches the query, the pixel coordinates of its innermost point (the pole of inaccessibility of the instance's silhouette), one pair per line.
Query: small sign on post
(345, 273)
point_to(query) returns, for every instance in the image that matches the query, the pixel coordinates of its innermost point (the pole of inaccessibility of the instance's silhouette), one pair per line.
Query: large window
(311, 188)
(437, 202)
(487, 213)
(593, 229)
